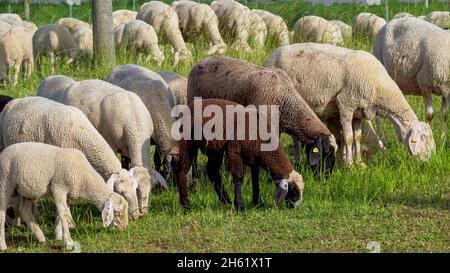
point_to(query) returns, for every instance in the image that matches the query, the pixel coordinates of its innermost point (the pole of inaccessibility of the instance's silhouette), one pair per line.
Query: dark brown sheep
(249, 84)
(3, 101)
(238, 153)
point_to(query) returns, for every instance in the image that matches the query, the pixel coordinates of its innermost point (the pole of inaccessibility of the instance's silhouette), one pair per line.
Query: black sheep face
(321, 155)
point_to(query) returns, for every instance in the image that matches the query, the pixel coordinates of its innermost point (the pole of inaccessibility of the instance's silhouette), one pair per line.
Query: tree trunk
(103, 31)
(26, 8)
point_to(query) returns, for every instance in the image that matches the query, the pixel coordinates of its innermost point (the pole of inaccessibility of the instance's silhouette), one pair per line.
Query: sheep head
(321, 153)
(115, 211)
(420, 141)
(144, 185)
(123, 184)
(295, 190)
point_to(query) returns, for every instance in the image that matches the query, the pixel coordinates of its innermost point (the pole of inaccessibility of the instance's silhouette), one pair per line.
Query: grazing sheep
(238, 152)
(416, 55)
(72, 24)
(258, 29)
(164, 20)
(234, 22)
(351, 87)
(119, 116)
(401, 15)
(83, 38)
(246, 83)
(158, 99)
(276, 26)
(346, 30)
(52, 40)
(196, 18)
(439, 18)
(37, 119)
(123, 16)
(316, 29)
(4, 100)
(140, 37)
(16, 48)
(367, 25)
(11, 18)
(36, 170)
(177, 84)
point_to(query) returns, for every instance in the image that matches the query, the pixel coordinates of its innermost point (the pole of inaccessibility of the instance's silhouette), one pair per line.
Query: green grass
(398, 201)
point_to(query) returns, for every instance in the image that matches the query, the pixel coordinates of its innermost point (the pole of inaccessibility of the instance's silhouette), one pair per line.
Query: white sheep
(352, 86)
(141, 38)
(177, 84)
(37, 119)
(72, 24)
(164, 20)
(234, 22)
(158, 99)
(53, 40)
(416, 55)
(276, 26)
(83, 38)
(401, 15)
(346, 30)
(316, 29)
(119, 116)
(123, 16)
(367, 25)
(258, 29)
(195, 19)
(16, 48)
(439, 18)
(36, 170)
(4, 27)
(11, 18)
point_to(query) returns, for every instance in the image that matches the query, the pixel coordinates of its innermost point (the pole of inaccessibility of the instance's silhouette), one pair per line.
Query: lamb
(276, 27)
(316, 29)
(177, 84)
(415, 53)
(245, 83)
(52, 40)
(119, 116)
(158, 99)
(234, 22)
(165, 21)
(83, 38)
(439, 18)
(353, 86)
(140, 37)
(4, 100)
(12, 19)
(36, 170)
(346, 30)
(123, 16)
(238, 152)
(72, 24)
(196, 18)
(37, 119)
(16, 48)
(367, 24)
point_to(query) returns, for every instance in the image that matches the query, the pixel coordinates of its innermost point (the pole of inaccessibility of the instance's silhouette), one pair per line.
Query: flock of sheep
(63, 142)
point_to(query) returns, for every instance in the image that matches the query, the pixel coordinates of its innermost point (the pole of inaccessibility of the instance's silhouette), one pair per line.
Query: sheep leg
(347, 133)
(238, 203)
(187, 154)
(428, 104)
(213, 171)
(60, 199)
(357, 135)
(16, 70)
(6, 193)
(444, 109)
(235, 165)
(296, 150)
(29, 67)
(255, 185)
(52, 58)
(26, 210)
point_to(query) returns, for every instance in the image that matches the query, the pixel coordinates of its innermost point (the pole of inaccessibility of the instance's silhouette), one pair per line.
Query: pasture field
(399, 202)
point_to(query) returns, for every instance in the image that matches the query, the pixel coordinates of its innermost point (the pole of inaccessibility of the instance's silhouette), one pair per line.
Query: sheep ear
(282, 190)
(111, 181)
(107, 214)
(417, 139)
(159, 179)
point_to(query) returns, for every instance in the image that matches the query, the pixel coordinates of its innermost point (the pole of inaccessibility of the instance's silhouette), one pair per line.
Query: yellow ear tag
(315, 150)
(413, 140)
(161, 168)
